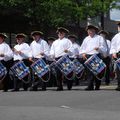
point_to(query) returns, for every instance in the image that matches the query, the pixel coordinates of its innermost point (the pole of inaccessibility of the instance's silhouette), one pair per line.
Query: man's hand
(66, 51)
(2, 55)
(114, 56)
(84, 56)
(42, 54)
(17, 52)
(96, 48)
(30, 59)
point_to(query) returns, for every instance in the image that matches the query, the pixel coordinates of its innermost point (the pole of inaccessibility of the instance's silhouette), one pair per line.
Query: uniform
(93, 44)
(115, 50)
(59, 48)
(40, 49)
(75, 52)
(53, 74)
(6, 55)
(107, 58)
(22, 52)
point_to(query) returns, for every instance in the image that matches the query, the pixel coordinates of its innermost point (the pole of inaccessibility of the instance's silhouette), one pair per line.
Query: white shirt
(109, 45)
(90, 43)
(6, 50)
(75, 50)
(25, 49)
(38, 47)
(115, 44)
(58, 47)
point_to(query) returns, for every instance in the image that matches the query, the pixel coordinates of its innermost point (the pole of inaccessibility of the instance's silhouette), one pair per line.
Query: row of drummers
(64, 53)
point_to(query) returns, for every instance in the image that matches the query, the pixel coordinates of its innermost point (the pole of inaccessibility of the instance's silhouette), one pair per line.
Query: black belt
(58, 58)
(88, 56)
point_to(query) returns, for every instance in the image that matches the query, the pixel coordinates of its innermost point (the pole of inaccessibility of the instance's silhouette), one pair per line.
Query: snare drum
(40, 68)
(52, 67)
(118, 63)
(3, 70)
(20, 70)
(95, 64)
(66, 66)
(78, 68)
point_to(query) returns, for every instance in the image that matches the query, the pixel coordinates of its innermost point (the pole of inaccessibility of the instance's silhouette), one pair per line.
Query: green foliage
(54, 13)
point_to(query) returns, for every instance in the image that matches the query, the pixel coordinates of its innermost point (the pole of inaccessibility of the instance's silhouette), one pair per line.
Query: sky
(115, 13)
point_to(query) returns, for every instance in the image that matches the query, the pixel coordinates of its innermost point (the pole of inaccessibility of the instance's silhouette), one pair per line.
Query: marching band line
(61, 59)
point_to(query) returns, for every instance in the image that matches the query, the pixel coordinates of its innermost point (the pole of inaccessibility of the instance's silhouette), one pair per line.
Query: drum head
(20, 70)
(40, 68)
(65, 65)
(3, 70)
(95, 64)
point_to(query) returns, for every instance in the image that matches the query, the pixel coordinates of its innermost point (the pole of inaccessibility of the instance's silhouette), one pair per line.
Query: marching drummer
(75, 46)
(6, 55)
(115, 51)
(75, 51)
(40, 49)
(59, 48)
(22, 52)
(50, 41)
(93, 44)
(107, 58)
(53, 75)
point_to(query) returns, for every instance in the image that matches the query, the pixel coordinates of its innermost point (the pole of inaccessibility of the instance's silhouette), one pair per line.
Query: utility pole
(102, 16)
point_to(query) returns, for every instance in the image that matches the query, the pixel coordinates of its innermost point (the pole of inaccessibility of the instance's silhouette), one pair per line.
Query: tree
(52, 13)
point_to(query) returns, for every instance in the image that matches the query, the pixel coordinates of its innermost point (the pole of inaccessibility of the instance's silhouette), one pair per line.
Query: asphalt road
(76, 104)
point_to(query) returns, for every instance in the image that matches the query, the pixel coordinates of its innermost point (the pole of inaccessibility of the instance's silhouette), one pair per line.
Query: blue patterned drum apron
(78, 68)
(3, 70)
(95, 64)
(118, 63)
(20, 70)
(66, 66)
(40, 68)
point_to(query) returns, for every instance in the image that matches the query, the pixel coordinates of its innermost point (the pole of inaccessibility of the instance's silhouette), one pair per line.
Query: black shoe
(43, 89)
(14, 90)
(59, 89)
(97, 88)
(107, 84)
(88, 88)
(118, 89)
(69, 87)
(25, 89)
(5, 90)
(33, 89)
